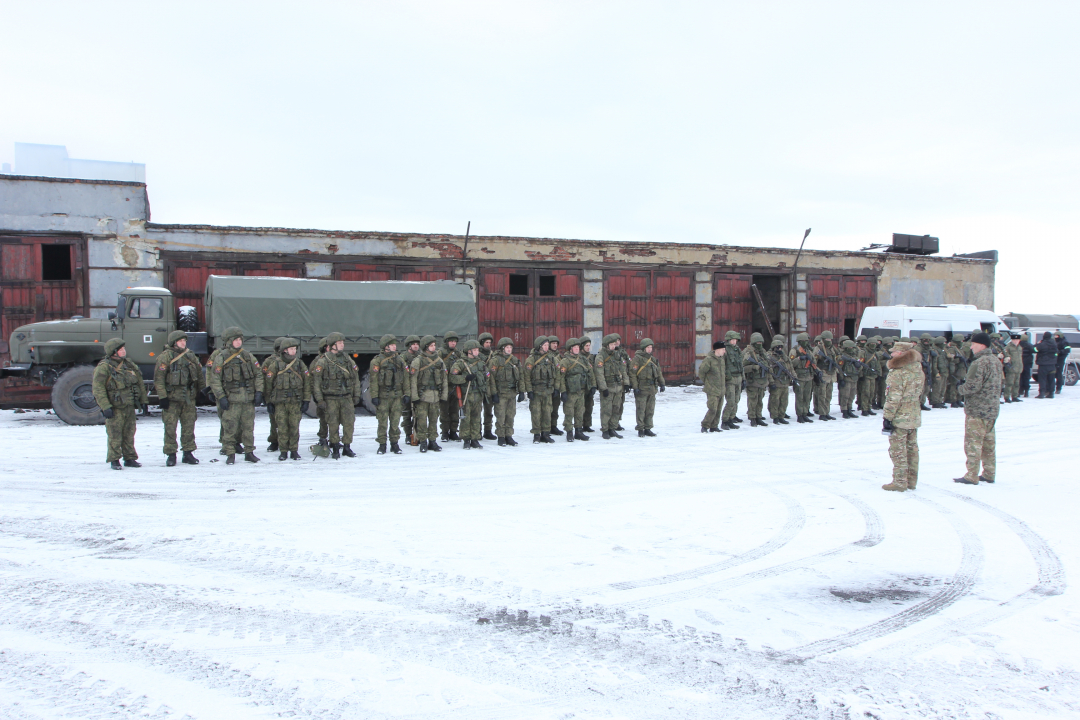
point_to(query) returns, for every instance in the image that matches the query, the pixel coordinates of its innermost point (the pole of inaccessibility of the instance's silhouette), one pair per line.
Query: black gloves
(258, 398)
(663, 388)
(108, 413)
(304, 406)
(637, 393)
(887, 427)
(563, 396)
(470, 377)
(554, 394)
(532, 395)
(605, 393)
(223, 403)
(626, 388)
(772, 386)
(164, 403)
(495, 399)
(375, 402)
(744, 384)
(521, 397)
(405, 399)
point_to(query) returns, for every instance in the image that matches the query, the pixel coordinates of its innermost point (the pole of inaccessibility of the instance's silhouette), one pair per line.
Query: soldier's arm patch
(217, 370)
(454, 371)
(600, 363)
(318, 368)
(255, 361)
(161, 366)
(374, 368)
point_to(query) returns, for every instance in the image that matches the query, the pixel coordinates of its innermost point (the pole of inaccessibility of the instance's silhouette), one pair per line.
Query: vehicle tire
(365, 394)
(73, 397)
(1072, 374)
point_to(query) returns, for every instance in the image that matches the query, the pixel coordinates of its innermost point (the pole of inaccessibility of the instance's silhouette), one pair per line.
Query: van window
(988, 327)
(147, 308)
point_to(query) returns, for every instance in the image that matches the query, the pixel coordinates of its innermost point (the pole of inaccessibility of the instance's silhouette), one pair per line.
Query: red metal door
(858, 294)
(25, 295)
(263, 269)
(658, 305)
(626, 305)
(732, 305)
(356, 271)
(551, 307)
(825, 305)
(560, 313)
(503, 314)
(423, 274)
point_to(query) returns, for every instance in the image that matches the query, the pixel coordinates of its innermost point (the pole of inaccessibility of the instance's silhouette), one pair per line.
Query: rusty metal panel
(268, 269)
(358, 271)
(858, 294)
(658, 305)
(825, 305)
(522, 317)
(732, 304)
(187, 282)
(423, 274)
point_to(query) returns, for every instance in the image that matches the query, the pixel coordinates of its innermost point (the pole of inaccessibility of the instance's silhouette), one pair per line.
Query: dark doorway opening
(547, 286)
(850, 326)
(55, 262)
(769, 287)
(519, 285)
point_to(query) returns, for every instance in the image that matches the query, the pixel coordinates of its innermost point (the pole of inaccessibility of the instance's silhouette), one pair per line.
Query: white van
(913, 321)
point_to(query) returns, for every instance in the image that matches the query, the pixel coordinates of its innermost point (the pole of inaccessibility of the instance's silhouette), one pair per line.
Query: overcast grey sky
(738, 123)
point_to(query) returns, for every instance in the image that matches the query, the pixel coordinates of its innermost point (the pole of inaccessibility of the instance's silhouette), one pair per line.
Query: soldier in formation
(237, 382)
(756, 377)
(428, 389)
(590, 397)
(848, 376)
(508, 382)
(1014, 365)
(469, 376)
(981, 391)
(178, 378)
(645, 379)
(412, 351)
(714, 381)
(556, 398)
(336, 389)
(487, 348)
(611, 379)
(119, 391)
(272, 437)
(574, 381)
(386, 383)
(540, 370)
(451, 404)
(827, 360)
(783, 378)
(868, 355)
(884, 355)
(733, 380)
(288, 389)
(808, 375)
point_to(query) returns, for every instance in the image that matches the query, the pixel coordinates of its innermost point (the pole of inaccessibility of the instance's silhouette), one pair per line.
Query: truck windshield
(146, 308)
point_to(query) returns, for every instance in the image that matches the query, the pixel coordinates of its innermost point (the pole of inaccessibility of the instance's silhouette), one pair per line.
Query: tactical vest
(543, 373)
(648, 372)
(506, 372)
(479, 386)
(734, 365)
(391, 374)
(237, 373)
(123, 384)
(427, 376)
(577, 374)
(289, 381)
(336, 378)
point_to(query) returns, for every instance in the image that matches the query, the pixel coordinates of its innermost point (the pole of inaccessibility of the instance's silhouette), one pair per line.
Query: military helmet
(843, 339)
(826, 335)
(230, 334)
(585, 340)
(609, 338)
(288, 342)
(450, 335)
(177, 335)
(996, 335)
(873, 341)
(483, 337)
(540, 340)
(777, 341)
(618, 337)
(939, 340)
(426, 341)
(112, 345)
(573, 342)
(553, 339)
(503, 342)
(334, 338)
(277, 344)
(470, 345)
(412, 339)
(802, 337)
(779, 337)
(387, 340)
(862, 338)
(757, 338)
(732, 335)
(926, 336)
(323, 345)
(848, 344)
(645, 342)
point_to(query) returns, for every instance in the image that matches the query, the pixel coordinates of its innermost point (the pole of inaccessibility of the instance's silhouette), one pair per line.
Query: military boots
(189, 458)
(580, 435)
(347, 451)
(283, 456)
(381, 450)
(395, 448)
(250, 457)
(170, 461)
(115, 465)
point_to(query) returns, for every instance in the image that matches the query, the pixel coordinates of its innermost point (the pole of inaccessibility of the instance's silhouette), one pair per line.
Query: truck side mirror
(112, 315)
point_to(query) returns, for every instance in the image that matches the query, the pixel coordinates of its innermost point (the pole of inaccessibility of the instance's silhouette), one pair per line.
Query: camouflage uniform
(508, 382)
(981, 390)
(957, 369)
(624, 358)
(540, 372)
(557, 355)
(449, 405)
(320, 412)
(1013, 370)
(470, 375)
(783, 374)
(118, 386)
(574, 381)
(828, 362)
(590, 359)
(386, 385)
(288, 387)
(645, 378)
(903, 399)
(868, 354)
(848, 377)
(272, 437)
(178, 378)
(407, 358)
(806, 370)
(237, 379)
(733, 383)
(714, 381)
(758, 378)
(336, 387)
(610, 375)
(926, 349)
(884, 355)
(486, 353)
(428, 387)
(939, 366)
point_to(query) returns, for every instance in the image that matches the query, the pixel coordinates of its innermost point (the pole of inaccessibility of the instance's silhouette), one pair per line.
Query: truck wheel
(365, 394)
(1072, 374)
(73, 397)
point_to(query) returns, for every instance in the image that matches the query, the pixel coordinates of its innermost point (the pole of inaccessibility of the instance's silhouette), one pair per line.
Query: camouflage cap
(609, 338)
(503, 342)
(177, 335)
(334, 338)
(645, 342)
(387, 340)
(426, 341)
(450, 335)
(757, 338)
(826, 335)
(732, 335)
(112, 345)
(288, 342)
(485, 336)
(231, 333)
(412, 339)
(470, 345)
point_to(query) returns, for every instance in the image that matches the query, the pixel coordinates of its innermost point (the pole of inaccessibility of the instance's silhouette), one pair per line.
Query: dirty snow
(752, 574)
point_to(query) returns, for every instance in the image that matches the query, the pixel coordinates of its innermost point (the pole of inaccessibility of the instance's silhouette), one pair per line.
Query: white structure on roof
(53, 161)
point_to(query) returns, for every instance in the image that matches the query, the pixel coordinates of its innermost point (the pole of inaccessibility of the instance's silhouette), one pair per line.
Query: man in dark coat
(1028, 352)
(1062, 356)
(1046, 358)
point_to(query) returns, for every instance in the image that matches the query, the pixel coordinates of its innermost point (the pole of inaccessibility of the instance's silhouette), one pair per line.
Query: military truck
(61, 354)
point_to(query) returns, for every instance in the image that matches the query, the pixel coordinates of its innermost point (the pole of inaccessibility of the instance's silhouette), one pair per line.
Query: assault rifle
(780, 366)
(830, 363)
(808, 358)
(858, 363)
(751, 358)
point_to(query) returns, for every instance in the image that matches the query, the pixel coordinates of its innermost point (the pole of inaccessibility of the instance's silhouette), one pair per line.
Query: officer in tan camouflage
(903, 415)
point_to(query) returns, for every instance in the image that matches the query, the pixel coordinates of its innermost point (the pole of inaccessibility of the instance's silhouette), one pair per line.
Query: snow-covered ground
(761, 573)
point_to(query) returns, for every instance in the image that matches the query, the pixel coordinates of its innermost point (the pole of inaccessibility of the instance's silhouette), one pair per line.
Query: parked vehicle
(61, 354)
(913, 321)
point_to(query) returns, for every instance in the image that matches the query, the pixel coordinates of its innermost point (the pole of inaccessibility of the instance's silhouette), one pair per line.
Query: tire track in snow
(1051, 581)
(971, 562)
(873, 534)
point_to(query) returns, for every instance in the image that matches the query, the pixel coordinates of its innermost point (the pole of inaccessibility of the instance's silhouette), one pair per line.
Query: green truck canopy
(266, 308)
